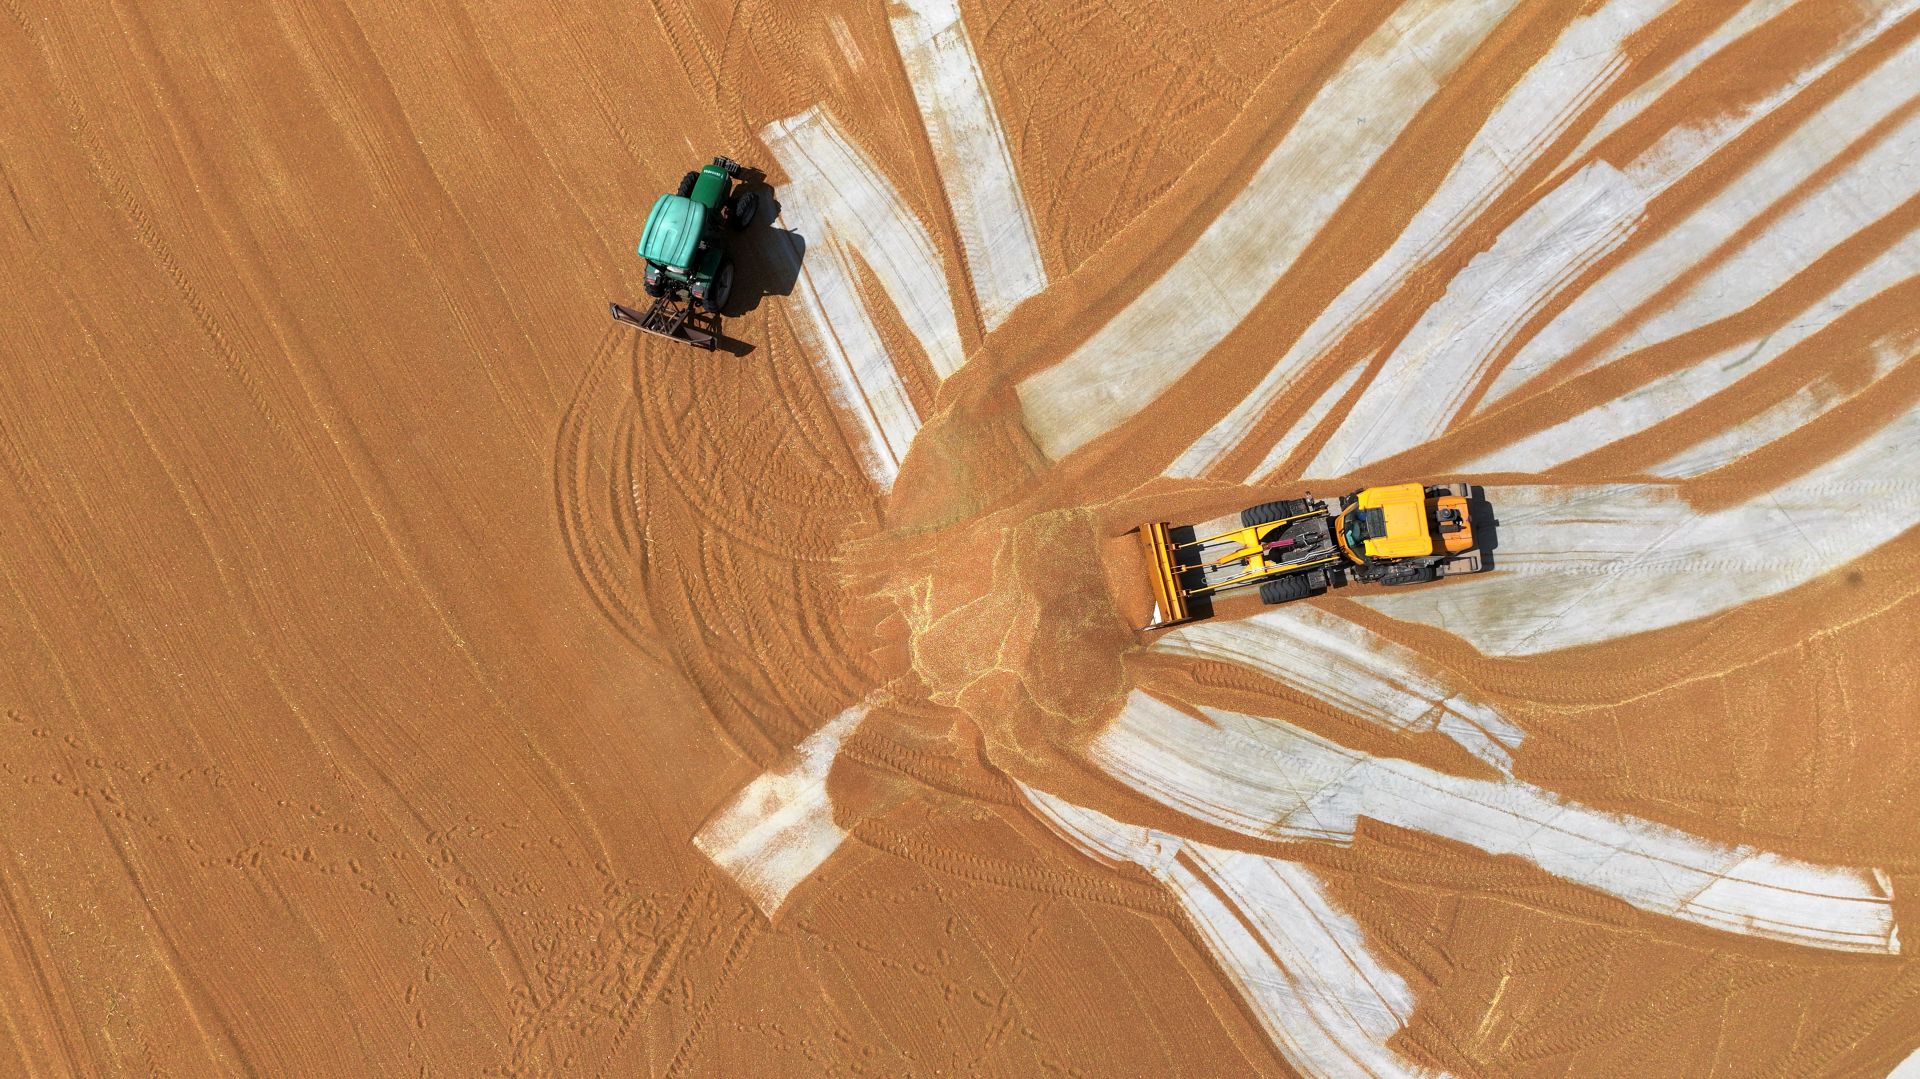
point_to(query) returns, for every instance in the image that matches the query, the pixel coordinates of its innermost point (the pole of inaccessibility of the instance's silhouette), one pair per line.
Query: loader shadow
(1485, 526)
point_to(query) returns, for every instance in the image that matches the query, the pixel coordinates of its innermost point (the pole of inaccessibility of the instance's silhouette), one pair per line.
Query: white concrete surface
(1425, 381)
(1581, 64)
(1789, 414)
(1355, 670)
(1268, 779)
(1350, 123)
(1636, 101)
(1668, 396)
(1579, 564)
(1311, 419)
(1300, 962)
(779, 830)
(1832, 211)
(856, 227)
(970, 148)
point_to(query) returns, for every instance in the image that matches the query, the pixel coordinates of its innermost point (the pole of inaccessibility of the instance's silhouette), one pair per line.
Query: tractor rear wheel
(655, 288)
(1284, 590)
(720, 288)
(686, 184)
(743, 210)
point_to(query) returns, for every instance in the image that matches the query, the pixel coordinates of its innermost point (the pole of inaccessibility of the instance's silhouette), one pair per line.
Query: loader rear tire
(686, 184)
(1284, 590)
(1398, 575)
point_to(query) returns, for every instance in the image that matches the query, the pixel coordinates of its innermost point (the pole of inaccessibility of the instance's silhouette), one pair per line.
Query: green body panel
(672, 234)
(710, 190)
(682, 242)
(709, 265)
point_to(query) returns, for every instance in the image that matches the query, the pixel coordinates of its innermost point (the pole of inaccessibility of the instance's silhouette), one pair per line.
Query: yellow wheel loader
(1297, 547)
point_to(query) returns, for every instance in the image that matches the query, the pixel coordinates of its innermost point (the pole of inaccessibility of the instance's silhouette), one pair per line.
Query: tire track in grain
(52, 1002)
(1004, 873)
(577, 456)
(554, 786)
(121, 196)
(1898, 1000)
(751, 926)
(191, 990)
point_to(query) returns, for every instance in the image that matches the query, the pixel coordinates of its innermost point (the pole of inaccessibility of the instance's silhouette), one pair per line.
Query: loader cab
(1356, 528)
(1386, 522)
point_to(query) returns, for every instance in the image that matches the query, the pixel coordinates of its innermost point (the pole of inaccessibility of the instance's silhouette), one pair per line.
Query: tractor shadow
(1485, 526)
(766, 257)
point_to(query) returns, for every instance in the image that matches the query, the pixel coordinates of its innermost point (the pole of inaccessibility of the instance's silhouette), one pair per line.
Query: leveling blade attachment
(669, 317)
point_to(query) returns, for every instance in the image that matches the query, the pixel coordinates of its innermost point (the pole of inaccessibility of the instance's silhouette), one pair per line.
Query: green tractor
(684, 244)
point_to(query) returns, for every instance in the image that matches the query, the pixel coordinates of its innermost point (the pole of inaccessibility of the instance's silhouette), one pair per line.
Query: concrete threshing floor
(411, 672)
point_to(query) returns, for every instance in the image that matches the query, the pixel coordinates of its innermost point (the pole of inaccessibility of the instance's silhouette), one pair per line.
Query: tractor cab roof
(673, 231)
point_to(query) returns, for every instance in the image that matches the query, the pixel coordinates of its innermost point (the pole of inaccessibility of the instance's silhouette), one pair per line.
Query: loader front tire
(686, 184)
(1268, 512)
(1284, 590)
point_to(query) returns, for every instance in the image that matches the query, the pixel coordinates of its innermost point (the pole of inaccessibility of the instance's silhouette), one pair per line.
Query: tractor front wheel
(686, 184)
(743, 210)
(720, 288)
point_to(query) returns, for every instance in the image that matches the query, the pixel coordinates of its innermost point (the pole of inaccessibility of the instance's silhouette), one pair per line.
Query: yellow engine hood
(1404, 508)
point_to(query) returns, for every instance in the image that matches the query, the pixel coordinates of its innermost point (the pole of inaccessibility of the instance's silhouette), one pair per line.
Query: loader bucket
(1163, 574)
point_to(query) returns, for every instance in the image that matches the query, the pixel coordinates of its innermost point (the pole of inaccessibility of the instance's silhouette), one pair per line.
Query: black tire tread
(1284, 590)
(1269, 512)
(1264, 513)
(1404, 575)
(715, 303)
(742, 210)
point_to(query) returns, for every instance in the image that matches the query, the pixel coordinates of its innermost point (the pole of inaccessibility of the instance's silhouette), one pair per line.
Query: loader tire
(1409, 575)
(1284, 590)
(686, 184)
(1269, 512)
(1264, 513)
